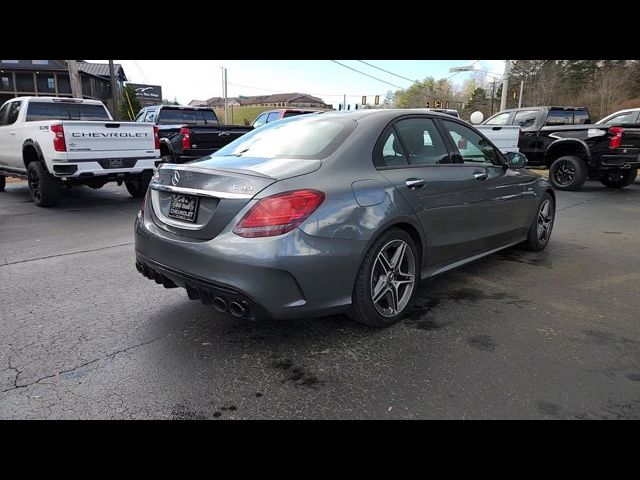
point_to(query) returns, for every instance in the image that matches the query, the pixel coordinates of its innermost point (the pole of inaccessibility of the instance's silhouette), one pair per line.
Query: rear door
(501, 199)
(413, 155)
(10, 141)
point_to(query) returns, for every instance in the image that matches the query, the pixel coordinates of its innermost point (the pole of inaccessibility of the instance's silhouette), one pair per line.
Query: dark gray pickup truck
(563, 140)
(189, 133)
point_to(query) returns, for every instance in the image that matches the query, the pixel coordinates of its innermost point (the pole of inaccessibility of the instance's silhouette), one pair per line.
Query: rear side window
(422, 141)
(3, 113)
(581, 117)
(623, 118)
(150, 116)
(261, 120)
(273, 116)
(392, 154)
(208, 117)
(38, 111)
(567, 117)
(525, 118)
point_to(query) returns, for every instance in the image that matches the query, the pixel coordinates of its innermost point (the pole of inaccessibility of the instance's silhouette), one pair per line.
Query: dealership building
(51, 78)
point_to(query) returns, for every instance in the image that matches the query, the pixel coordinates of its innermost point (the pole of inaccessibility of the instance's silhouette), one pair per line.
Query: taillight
(278, 213)
(58, 140)
(186, 138)
(616, 140)
(156, 138)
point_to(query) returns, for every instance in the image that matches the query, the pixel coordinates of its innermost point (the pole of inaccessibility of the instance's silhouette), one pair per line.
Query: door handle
(415, 183)
(481, 175)
(223, 134)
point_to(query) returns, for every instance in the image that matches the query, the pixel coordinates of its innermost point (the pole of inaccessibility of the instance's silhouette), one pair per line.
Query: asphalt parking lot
(515, 335)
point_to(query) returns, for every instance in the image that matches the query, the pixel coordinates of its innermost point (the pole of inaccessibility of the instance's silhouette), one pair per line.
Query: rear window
(172, 116)
(567, 117)
(311, 138)
(38, 111)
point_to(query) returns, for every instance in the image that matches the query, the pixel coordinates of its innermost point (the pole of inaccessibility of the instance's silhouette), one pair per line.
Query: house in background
(282, 100)
(51, 78)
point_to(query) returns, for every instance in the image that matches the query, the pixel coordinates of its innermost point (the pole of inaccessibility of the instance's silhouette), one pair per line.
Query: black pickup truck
(188, 133)
(564, 140)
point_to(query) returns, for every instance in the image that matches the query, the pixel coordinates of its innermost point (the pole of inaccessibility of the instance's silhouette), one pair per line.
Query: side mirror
(516, 160)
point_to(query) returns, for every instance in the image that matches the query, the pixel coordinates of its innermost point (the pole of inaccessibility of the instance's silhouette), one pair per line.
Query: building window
(46, 83)
(6, 82)
(40, 62)
(24, 82)
(10, 61)
(64, 86)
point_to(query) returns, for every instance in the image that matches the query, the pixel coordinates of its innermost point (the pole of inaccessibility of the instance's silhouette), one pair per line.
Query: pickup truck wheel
(44, 187)
(540, 230)
(619, 178)
(137, 187)
(568, 173)
(3, 182)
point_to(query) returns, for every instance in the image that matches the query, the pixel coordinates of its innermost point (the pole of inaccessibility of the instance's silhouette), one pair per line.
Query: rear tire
(137, 187)
(540, 231)
(3, 182)
(387, 280)
(44, 187)
(619, 178)
(568, 173)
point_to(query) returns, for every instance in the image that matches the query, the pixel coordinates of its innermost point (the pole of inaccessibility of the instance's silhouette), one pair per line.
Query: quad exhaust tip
(237, 309)
(220, 304)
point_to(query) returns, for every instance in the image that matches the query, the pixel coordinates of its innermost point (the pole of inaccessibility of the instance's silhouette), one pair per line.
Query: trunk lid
(219, 186)
(214, 137)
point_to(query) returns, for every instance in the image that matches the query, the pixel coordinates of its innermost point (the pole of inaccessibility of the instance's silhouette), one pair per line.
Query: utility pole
(505, 85)
(224, 91)
(74, 79)
(521, 89)
(114, 91)
(493, 93)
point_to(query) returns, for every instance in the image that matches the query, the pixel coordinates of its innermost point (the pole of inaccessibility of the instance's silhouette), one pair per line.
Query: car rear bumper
(92, 168)
(289, 276)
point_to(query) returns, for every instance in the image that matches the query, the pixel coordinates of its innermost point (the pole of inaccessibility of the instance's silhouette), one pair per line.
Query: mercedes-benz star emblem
(175, 179)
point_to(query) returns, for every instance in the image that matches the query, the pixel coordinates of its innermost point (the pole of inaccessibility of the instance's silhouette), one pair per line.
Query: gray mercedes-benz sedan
(337, 212)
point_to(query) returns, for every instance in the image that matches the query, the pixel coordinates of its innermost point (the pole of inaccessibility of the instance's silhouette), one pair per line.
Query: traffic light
(356, 106)
(339, 107)
(377, 100)
(364, 100)
(349, 107)
(428, 104)
(437, 104)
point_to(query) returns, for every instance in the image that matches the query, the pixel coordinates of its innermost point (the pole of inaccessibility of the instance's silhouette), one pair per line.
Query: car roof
(84, 101)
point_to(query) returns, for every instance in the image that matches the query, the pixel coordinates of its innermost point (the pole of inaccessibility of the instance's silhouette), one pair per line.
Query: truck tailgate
(505, 137)
(214, 137)
(109, 139)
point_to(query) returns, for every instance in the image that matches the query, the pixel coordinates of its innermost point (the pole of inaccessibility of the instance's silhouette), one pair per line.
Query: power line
(367, 75)
(387, 71)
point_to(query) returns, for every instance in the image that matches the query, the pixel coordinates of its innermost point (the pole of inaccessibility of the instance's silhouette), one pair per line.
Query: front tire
(619, 178)
(137, 187)
(44, 187)
(568, 173)
(540, 231)
(386, 283)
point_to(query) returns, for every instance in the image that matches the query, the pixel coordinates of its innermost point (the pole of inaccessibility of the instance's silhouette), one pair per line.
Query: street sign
(468, 68)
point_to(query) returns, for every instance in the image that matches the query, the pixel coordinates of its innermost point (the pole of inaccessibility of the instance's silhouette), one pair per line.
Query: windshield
(300, 137)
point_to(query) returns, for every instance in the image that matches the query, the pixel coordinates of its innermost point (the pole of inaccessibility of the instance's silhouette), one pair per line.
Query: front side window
(273, 116)
(422, 141)
(500, 119)
(261, 120)
(525, 118)
(3, 113)
(473, 148)
(140, 116)
(12, 114)
(151, 116)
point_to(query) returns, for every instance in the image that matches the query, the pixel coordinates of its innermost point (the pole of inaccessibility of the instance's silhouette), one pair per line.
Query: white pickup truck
(68, 141)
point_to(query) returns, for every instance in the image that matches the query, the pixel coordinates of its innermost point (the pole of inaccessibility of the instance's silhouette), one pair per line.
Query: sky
(189, 80)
